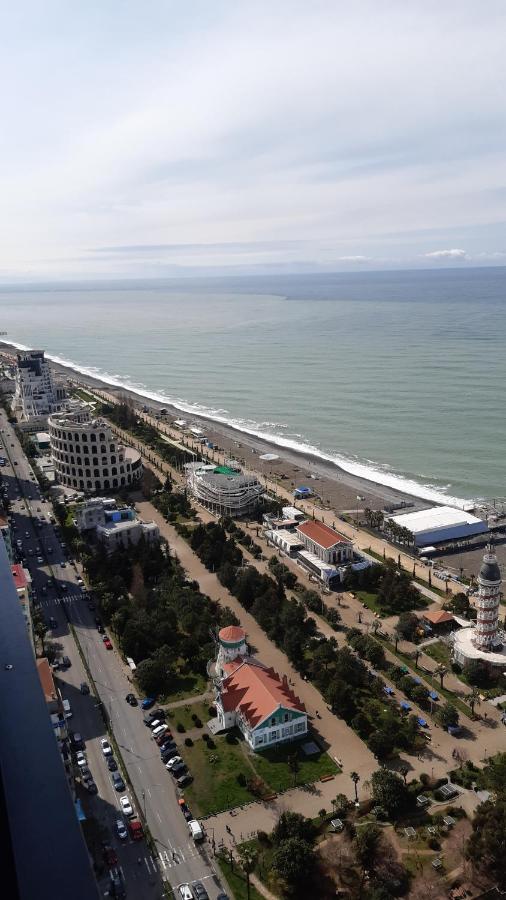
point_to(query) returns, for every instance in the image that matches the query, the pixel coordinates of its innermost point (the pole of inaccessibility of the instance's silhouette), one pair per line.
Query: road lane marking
(162, 861)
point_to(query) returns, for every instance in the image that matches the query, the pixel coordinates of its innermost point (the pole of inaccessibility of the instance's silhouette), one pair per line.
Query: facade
(22, 581)
(35, 394)
(440, 524)
(484, 641)
(225, 490)
(126, 532)
(92, 512)
(252, 697)
(87, 455)
(284, 540)
(325, 543)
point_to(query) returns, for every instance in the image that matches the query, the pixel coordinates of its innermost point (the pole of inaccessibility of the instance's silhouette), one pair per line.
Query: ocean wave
(369, 470)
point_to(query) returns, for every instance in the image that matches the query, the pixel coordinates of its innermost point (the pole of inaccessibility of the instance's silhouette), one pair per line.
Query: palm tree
(441, 671)
(416, 656)
(248, 857)
(474, 699)
(355, 777)
(404, 771)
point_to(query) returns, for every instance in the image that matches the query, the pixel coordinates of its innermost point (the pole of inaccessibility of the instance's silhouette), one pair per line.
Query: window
(102, 436)
(113, 459)
(84, 438)
(96, 472)
(114, 470)
(93, 438)
(273, 721)
(103, 448)
(287, 717)
(273, 736)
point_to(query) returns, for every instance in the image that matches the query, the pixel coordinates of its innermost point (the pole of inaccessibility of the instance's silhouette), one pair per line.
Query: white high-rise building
(35, 393)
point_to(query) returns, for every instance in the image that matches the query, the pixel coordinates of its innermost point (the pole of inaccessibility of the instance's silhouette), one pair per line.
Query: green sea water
(396, 375)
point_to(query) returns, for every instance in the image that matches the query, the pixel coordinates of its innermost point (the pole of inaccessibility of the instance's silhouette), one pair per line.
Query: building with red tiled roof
(325, 543)
(439, 620)
(255, 699)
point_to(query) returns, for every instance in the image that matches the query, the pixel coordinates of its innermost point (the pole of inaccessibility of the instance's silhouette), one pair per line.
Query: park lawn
(371, 601)
(439, 652)
(272, 766)
(215, 786)
(183, 714)
(237, 881)
(188, 685)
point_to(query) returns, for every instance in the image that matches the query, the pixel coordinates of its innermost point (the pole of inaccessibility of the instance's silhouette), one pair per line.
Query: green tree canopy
(389, 791)
(293, 862)
(486, 848)
(293, 825)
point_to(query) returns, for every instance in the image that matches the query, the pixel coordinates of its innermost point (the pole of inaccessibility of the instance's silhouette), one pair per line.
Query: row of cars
(168, 749)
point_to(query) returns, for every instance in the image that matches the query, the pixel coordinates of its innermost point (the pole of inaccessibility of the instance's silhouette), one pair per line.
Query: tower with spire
(487, 601)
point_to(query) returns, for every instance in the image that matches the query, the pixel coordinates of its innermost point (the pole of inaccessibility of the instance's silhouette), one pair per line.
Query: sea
(398, 377)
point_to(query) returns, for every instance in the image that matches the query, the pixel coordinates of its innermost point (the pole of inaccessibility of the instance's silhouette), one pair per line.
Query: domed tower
(231, 644)
(487, 602)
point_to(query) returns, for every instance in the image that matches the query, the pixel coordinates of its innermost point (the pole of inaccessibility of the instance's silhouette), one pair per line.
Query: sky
(167, 138)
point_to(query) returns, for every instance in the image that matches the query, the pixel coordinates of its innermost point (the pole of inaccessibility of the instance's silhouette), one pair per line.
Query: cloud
(447, 254)
(354, 259)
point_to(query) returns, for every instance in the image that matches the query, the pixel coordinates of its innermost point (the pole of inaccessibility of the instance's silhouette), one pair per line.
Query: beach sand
(336, 489)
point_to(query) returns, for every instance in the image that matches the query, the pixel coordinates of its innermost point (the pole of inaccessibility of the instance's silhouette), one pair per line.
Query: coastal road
(178, 859)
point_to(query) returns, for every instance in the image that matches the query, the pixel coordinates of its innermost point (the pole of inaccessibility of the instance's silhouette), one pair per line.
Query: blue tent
(422, 722)
(433, 695)
(388, 690)
(405, 705)
(302, 492)
(416, 679)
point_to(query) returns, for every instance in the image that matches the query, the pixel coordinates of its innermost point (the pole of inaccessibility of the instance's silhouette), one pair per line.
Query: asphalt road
(178, 859)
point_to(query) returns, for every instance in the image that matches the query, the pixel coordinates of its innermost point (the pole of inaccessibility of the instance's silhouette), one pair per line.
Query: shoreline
(332, 483)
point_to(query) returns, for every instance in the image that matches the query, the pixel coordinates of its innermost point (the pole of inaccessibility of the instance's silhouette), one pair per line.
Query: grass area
(215, 771)
(183, 714)
(185, 686)
(422, 581)
(237, 881)
(439, 652)
(371, 601)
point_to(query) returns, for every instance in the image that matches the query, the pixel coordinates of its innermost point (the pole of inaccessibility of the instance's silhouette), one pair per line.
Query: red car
(109, 855)
(163, 737)
(107, 644)
(135, 829)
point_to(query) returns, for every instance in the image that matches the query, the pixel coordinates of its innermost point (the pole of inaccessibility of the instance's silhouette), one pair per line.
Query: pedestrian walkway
(188, 701)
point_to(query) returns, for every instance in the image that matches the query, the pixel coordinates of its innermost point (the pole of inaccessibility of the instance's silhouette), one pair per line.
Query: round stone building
(87, 455)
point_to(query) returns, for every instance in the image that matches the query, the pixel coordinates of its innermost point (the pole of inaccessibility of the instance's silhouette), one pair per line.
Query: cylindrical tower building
(487, 602)
(231, 645)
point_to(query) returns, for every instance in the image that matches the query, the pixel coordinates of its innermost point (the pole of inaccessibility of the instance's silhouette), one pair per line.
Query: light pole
(144, 803)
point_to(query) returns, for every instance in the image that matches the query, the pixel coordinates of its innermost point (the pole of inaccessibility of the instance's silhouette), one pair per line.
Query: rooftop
(46, 679)
(232, 634)
(438, 616)
(434, 518)
(257, 692)
(19, 577)
(322, 534)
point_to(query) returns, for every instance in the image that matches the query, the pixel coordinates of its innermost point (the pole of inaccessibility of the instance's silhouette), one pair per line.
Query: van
(196, 830)
(159, 730)
(66, 709)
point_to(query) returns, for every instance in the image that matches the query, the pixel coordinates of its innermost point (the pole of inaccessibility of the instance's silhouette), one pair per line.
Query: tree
(248, 857)
(407, 625)
(381, 743)
(293, 862)
(474, 699)
(440, 671)
(448, 715)
(389, 791)
(293, 825)
(340, 805)
(293, 765)
(366, 845)
(486, 848)
(40, 629)
(355, 777)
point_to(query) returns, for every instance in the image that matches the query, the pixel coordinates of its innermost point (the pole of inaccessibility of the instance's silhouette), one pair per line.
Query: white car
(173, 762)
(40, 560)
(81, 759)
(106, 747)
(185, 892)
(126, 806)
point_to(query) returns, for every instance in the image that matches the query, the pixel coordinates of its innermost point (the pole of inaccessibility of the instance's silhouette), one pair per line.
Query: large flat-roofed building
(87, 455)
(325, 543)
(126, 532)
(225, 490)
(286, 541)
(440, 524)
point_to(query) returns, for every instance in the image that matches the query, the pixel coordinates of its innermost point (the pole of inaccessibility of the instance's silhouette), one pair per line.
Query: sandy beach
(336, 488)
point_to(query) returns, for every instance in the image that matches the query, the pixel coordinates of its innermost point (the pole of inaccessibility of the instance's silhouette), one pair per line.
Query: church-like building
(252, 696)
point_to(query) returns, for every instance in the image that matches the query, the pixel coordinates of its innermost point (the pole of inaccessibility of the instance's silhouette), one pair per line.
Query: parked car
(112, 765)
(107, 644)
(136, 830)
(81, 758)
(66, 662)
(185, 779)
(91, 787)
(106, 747)
(170, 750)
(53, 623)
(76, 741)
(173, 761)
(126, 807)
(131, 699)
(160, 713)
(159, 731)
(148, 702)
(100, 629)
(160, 740)
(178, 770)
(149, 719)
(117, 782)
(84, 688)
(121, 829)
(63, 565)
(185, 892)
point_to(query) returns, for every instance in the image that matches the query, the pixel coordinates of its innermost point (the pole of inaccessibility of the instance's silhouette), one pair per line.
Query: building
(43, 850)
(302, 493)
(35, 394)
(440, 524)
(5, 530)
(325, 543)
(22, 581)
(88, 457)
(92, 512)
(286, 541)
(225, 490)
(439, 621)
(42, 441)
(117, 533)
(485, 640)
(293, 514)
(252, 697)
